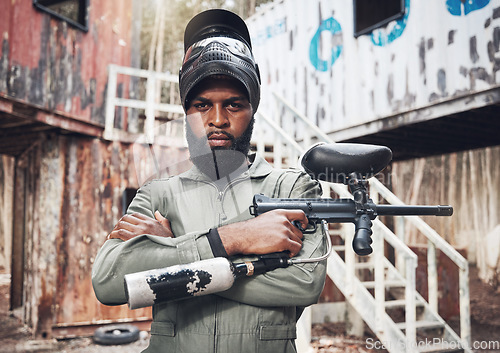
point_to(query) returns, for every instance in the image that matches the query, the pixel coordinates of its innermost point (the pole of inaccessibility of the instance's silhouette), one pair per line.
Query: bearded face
(219, 161)
(219, 125)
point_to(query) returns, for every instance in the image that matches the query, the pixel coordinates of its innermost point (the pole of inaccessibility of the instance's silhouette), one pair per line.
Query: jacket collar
(258, 168)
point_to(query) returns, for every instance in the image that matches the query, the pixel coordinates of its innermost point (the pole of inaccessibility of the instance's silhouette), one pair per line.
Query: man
(203, 213)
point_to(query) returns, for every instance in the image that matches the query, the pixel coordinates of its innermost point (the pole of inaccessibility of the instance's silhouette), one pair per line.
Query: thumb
(163, 221)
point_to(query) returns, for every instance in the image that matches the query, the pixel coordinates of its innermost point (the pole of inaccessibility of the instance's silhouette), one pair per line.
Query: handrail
(427, 230)
(149, 104)
(386, 193)
(131, 71)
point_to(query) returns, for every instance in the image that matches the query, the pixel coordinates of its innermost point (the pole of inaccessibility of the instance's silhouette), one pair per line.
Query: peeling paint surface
(47, 63)
(69, 185)
(432, 56)
(178, 282)
(74, 188)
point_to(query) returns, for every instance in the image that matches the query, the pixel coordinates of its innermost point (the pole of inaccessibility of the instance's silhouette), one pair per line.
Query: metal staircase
(387, 287)
(390, 287)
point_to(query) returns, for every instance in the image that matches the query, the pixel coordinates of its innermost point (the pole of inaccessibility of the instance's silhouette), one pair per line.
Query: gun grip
(361, 242)
(362, 236)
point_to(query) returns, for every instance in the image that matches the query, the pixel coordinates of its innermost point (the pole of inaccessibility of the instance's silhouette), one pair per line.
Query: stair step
(335, 232)
(423, 324)
(439, 347)
(392, 283)
(363, 265)
(338, 247)
(400, 303)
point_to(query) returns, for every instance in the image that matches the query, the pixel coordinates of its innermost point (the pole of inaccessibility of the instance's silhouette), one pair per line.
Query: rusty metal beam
(29, 112)
(69, 123)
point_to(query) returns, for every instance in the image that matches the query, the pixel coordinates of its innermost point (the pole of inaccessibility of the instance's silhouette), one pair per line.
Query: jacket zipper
(220, 197)
(221, 194)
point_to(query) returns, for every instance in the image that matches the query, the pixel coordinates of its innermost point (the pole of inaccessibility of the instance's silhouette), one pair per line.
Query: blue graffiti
(277, 28)
(455, 6)
(380, 36)
(332, 26)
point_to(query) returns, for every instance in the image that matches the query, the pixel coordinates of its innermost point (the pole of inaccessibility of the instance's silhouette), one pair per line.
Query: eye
(234, 106)
(202, 106)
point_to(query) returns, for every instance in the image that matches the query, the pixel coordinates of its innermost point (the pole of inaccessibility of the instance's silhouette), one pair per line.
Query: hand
(272, 231)
(130, 226)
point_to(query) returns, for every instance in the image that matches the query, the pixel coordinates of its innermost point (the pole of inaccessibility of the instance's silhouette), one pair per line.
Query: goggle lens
(235, 46)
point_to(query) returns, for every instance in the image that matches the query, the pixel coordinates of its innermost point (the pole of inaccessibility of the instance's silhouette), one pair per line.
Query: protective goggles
(220, 55)
(234, 46)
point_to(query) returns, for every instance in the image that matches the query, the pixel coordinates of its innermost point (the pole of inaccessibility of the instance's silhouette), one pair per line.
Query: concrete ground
(327, 338)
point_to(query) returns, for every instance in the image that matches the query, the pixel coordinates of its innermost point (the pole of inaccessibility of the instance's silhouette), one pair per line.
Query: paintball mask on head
(217, 42)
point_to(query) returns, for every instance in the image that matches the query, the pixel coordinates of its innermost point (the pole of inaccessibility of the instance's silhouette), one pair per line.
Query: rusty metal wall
(439, 51)
(6, 198)
(73, 198)
(47, 63)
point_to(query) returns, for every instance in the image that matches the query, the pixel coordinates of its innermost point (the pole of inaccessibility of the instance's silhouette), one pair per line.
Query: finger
(129, 218)
(295, 227)
(295, 231)
(122, 234)
(296, 236)
(297, 215)
(130, 224)
(136, 218)
(163, 221)
(294, 247)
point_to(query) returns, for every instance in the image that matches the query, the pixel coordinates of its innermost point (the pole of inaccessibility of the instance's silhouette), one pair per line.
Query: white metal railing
(406, 257)
(150, 105)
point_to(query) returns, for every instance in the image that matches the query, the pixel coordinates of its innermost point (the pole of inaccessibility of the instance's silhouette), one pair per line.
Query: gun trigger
(309, 230)
(298, 225)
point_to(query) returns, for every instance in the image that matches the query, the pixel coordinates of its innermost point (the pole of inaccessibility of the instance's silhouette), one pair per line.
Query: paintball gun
(350, 164)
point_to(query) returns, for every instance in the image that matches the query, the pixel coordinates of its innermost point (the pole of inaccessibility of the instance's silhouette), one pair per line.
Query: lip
(218, 137)
(219, 140)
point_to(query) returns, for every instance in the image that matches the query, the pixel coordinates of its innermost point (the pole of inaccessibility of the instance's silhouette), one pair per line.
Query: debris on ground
(326, 337)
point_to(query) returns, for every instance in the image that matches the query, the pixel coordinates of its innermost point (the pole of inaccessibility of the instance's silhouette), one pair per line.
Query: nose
(218, 116)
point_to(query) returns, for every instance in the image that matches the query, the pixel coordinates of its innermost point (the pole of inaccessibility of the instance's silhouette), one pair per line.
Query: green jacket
(258, 314)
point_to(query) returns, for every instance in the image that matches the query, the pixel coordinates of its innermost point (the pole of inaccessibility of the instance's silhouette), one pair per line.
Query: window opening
(75, 12)
(370, 14)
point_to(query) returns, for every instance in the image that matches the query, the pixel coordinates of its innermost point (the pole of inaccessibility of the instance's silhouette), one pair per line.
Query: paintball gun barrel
(350, 164)
(345, 211)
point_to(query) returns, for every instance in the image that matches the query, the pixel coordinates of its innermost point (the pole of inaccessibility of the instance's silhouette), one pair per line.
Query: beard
(219, 162)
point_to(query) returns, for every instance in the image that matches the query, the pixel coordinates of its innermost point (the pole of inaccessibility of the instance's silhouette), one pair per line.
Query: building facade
(63, 185)
(425, 83)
